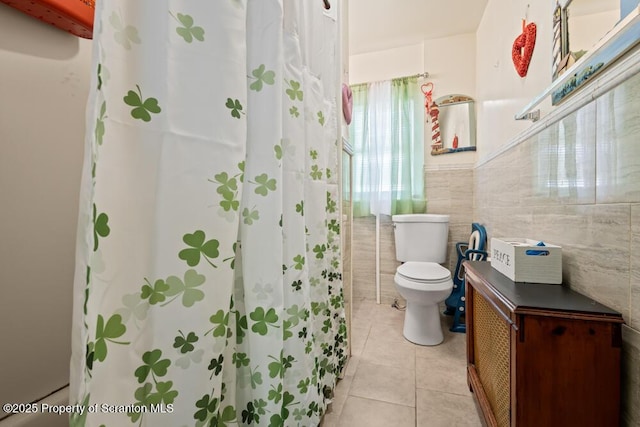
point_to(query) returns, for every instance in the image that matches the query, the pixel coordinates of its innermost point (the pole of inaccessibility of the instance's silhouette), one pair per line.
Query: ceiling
(386, 24)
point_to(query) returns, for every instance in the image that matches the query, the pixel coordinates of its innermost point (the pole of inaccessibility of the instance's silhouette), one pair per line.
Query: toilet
(421, 245)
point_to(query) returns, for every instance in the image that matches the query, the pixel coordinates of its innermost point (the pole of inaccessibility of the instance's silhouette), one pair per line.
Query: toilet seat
(424, 276)
(424, 272)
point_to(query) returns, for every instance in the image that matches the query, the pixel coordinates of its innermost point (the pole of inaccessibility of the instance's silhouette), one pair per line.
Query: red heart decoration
(523, 49)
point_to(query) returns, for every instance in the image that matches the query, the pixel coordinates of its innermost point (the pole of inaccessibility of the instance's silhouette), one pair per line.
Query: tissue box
(521, 260)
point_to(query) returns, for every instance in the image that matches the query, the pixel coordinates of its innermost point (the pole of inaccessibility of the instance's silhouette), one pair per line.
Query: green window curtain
(387, 133)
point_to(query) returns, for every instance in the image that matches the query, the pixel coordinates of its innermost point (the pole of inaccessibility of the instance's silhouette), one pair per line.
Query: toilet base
(422, 324)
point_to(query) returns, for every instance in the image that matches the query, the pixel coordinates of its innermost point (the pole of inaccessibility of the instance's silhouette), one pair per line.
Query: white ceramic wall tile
(618, 151)
(594, 159)
(388, 263)
(593, 225)
(634, 315)
(439, 206)
(388, 291)
(436, 186)
(595, 245)
(500, 184)
(450, 192)
(363, 258)
(558, 165)
(595, 242)
(600, 274)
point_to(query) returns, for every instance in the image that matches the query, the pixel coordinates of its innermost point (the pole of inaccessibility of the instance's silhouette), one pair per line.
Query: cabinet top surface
(537, 295)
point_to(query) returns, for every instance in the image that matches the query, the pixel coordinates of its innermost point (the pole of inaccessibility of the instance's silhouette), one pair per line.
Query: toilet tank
(421, 237)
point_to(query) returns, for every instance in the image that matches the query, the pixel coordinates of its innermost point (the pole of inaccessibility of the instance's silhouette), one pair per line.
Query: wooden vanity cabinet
(540, 355)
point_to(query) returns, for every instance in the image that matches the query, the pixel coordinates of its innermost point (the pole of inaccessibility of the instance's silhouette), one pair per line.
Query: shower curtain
(208, 266)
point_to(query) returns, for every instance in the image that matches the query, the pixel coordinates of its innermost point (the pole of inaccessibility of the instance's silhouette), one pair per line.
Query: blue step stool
(474, 250)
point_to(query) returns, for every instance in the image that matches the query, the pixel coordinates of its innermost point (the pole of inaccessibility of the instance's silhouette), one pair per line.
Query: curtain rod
(419, 75)
(423, 75)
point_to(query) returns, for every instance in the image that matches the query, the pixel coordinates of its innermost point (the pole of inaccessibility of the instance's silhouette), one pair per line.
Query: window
(387, 134)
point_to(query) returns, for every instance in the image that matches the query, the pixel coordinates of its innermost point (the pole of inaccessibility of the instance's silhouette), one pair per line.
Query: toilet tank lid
(420, 218)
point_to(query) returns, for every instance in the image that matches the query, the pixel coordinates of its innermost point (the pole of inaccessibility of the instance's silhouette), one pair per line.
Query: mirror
(609, 48)
(453, 124)
(577, 26)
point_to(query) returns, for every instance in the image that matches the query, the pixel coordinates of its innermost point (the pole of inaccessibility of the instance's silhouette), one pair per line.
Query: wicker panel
(491, 352)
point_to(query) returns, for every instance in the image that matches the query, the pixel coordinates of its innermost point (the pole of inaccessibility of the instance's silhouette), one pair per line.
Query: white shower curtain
(208, 273)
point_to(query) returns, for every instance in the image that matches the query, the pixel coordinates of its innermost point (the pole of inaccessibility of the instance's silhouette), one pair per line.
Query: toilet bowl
(421, 245)
(423, 285)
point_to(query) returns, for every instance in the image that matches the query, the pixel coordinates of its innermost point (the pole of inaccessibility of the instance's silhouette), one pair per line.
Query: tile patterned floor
(392, 382)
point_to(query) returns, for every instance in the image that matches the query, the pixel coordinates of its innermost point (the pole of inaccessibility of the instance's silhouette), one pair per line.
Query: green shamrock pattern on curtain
(208, 276)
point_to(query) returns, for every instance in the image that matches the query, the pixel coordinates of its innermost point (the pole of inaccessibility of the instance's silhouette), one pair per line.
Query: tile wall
(576, 183)
(448, 192)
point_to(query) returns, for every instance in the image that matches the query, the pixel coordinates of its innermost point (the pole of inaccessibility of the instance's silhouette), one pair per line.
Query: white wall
(451, 63)
(386, 64)
(44, 82)
(501, 92)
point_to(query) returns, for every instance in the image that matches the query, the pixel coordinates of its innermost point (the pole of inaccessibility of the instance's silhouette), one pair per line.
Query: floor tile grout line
(386, 402)
(381, 317)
